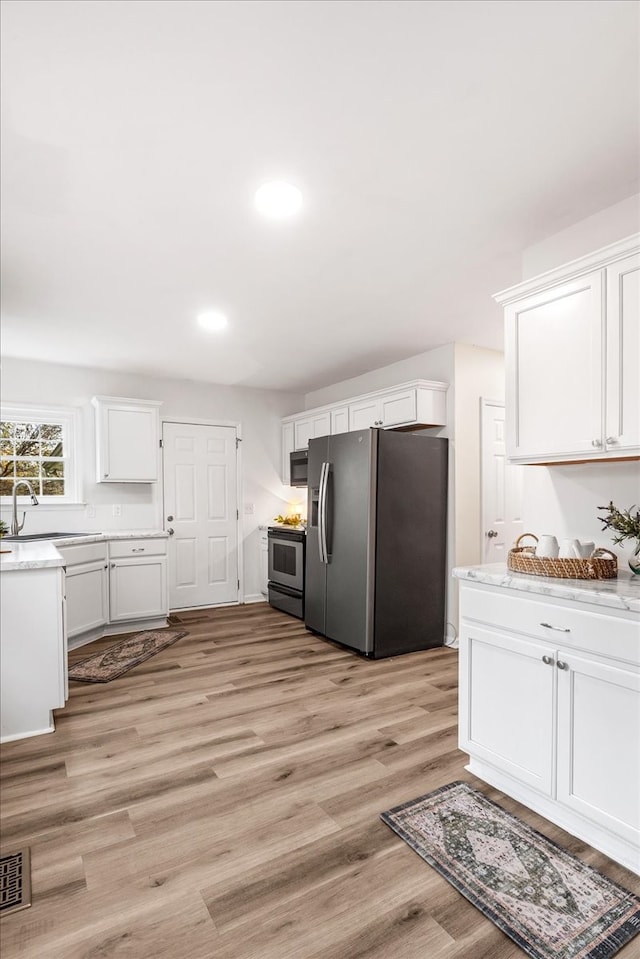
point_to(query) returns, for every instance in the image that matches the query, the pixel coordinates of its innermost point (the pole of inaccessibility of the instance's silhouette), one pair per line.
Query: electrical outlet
(91, 511)
(248, 509)
(116, 509)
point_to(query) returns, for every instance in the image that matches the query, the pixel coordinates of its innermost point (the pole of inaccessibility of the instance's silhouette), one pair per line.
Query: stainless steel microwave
(298, 467)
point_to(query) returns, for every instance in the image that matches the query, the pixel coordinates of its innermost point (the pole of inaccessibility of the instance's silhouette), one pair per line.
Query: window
(39, 445)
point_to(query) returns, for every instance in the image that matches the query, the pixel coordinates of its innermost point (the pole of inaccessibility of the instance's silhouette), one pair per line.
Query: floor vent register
(15, 876)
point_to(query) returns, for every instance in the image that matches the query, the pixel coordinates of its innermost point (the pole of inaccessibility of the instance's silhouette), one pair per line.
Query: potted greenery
(4, 529)
(626, 525)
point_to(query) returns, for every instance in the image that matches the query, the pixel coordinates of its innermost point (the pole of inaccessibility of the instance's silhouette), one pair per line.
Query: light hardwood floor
(222, 801)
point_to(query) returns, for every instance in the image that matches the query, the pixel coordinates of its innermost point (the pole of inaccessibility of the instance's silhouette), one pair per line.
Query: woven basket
(522, 559)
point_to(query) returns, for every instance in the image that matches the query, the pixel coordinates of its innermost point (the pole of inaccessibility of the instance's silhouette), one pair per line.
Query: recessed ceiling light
(213, 321)
(278, 199)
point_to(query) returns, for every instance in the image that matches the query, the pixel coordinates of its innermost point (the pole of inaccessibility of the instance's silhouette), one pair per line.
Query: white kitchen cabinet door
(287, 448)
(86, 589)
(127, 440)
(365, 413)
(507, 704)
(309, 428)
(399, 408)
(339, 420)
(599, 773)
(553, 353)
(138, 589)
(622, 422)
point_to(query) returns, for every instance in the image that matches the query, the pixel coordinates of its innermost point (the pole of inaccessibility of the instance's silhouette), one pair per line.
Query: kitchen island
(549, 691)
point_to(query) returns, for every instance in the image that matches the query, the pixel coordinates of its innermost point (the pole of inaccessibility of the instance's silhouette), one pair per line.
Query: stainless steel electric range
(286, 568)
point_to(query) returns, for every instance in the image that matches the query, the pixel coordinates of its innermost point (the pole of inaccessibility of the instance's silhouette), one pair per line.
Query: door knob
(492, 533)
(170, 531)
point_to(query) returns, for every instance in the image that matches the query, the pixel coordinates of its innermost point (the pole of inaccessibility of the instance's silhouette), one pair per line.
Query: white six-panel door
(501, 488)
(200, 501)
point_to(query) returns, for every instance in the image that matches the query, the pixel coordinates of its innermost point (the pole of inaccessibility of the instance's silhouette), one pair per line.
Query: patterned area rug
(118, 659)
(551, 904)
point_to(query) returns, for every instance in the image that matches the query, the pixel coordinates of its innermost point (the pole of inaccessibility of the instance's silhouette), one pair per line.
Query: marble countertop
(621, 593)
(41, 553)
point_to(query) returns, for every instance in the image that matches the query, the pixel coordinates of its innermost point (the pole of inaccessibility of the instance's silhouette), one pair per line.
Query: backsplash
(564, 500)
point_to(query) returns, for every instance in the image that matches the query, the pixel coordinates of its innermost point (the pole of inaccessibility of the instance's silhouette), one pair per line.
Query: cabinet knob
(113, 566)
(106, 475)
(139, 550)
(492, 533)
(548, 660)
(106, 566)
(170, 531)
(596, 443)
(611, 440)
(562, 665)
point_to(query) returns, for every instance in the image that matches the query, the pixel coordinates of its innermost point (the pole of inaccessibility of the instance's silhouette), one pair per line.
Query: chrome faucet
(15, 526)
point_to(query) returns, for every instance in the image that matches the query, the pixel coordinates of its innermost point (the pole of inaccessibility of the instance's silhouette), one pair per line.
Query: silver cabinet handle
(562, 665)
(492, 533)
(171, 531)
(113, 566)
(106, 566)
(596, 443)
(548, 660)
(106, 475)
(140, 549)
(559, 629)
(611, 440)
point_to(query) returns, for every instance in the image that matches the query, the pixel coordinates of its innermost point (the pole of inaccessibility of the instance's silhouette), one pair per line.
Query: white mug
(587, 549)
(547, 547)
(570, 549)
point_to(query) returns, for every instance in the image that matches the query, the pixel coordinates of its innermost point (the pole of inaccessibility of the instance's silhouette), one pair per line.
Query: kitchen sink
(30, 537)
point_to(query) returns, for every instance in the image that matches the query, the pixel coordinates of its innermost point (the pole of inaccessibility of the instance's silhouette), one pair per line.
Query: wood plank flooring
(223, 799)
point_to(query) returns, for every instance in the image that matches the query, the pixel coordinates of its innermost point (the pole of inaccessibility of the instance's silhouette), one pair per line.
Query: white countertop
(621, 593)
(40, 553)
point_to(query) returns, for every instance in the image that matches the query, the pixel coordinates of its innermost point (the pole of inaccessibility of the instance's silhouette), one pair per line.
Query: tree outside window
(38, 449)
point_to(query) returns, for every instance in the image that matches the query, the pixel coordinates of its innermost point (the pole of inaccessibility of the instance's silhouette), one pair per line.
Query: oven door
(286, 560)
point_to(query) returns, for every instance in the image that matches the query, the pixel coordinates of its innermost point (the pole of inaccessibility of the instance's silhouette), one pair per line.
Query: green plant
(625, 523)
(4, 529)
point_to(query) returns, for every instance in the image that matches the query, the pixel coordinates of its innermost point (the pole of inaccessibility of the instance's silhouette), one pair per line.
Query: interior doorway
(501, 487)
(200, 473)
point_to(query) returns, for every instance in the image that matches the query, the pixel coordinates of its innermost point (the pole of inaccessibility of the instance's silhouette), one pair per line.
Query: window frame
(69, 419)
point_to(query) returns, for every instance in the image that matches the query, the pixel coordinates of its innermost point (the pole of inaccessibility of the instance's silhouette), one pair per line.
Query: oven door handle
(322, 514)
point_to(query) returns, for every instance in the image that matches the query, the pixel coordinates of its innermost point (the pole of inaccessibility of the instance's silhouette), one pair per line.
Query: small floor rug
(113, 662)
(550, 903)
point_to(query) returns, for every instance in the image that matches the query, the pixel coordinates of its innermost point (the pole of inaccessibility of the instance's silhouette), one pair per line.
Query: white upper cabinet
(421, 403)
(622, 420)
(127, 440)
(572, 352)
(309, 426)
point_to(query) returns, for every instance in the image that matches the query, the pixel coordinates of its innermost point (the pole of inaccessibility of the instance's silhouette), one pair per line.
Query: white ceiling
(433, 141)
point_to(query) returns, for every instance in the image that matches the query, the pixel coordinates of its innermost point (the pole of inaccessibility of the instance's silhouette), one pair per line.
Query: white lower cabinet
(513, 727)
(86, 592)
(86, 589)
(112, 583)
(137, 588)
(599, 742)
(550, 711)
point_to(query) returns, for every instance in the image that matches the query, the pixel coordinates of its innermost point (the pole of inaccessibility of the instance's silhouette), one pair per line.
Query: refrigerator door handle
(322, 514)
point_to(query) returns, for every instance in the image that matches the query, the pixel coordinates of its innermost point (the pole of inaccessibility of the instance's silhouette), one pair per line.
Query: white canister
(570, 549)
(547, 547)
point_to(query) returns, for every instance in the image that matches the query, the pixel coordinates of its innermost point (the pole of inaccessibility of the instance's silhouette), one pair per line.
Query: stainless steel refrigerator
(376, 540)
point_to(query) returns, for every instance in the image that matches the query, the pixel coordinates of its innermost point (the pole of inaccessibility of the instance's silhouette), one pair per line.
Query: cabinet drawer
(553, 621)
(137, 547)
(86, 553)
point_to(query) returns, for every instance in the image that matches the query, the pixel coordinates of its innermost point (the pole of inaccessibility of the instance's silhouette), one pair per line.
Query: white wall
(563, 499)
(609, 225)
(435, 364)
(258, 412)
